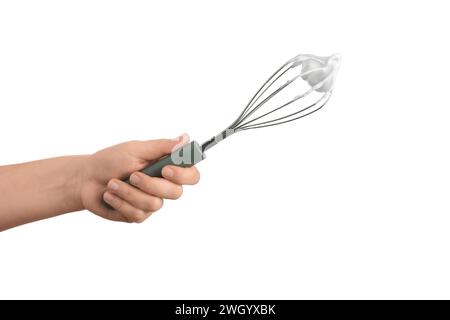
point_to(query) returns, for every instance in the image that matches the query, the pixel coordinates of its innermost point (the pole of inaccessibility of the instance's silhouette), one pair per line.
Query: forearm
(40, 189)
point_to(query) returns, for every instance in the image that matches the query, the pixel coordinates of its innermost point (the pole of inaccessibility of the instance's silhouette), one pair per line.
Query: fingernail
(178, 138)
(134, 179)
(112, 185)
(168, 172)
(183, 137)
(108, 197)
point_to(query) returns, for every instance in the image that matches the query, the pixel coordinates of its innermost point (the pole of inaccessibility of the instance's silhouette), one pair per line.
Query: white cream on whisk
(319, 72)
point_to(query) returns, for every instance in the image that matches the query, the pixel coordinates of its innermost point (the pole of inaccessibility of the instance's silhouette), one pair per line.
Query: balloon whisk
(300, 87)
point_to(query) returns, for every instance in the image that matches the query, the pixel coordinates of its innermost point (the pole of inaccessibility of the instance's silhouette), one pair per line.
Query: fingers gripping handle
(186, 156)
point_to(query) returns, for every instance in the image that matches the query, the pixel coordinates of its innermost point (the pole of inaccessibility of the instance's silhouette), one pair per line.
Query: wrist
(40, 189)
(74, 182)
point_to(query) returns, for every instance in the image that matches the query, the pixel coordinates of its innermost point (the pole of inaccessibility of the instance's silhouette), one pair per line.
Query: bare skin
(46, 188)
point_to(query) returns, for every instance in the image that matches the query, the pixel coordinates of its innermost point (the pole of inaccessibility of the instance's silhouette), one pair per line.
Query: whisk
(300, 87)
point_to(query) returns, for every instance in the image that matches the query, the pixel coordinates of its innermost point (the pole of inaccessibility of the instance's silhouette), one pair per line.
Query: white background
(352, 202)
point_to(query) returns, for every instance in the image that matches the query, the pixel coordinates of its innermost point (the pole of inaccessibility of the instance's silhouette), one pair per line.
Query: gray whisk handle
(186, 156)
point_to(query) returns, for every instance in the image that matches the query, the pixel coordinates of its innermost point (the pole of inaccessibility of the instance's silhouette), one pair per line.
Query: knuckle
(139, 216)
(178, 192)
(148, 206)
(125, 191)
(195, 176)
(155, 204)
(127, 219)
(147, 183)
(117, 215)
(118, 204)
(152, 204)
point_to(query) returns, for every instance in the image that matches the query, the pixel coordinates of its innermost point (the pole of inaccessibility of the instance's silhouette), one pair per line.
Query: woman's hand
(46, 188)
(102, 173)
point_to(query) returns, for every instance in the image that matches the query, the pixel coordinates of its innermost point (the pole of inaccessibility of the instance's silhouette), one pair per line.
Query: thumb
(155, 149)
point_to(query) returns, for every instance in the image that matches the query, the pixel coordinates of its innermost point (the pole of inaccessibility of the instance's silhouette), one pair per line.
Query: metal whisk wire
(264, 94)
(244, 121)
(240, 123)
(249, 110)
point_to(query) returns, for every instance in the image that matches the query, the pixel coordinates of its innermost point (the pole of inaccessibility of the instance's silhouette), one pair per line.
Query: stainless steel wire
(248, 119)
